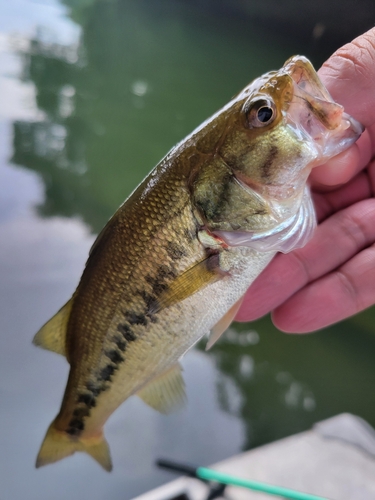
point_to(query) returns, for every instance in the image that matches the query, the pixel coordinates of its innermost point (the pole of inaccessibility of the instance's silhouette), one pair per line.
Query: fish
(175, 260)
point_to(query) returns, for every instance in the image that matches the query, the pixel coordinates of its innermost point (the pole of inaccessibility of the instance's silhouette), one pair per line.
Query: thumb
(349, 75)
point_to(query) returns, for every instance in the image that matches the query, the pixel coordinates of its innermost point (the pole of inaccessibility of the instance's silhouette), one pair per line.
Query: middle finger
(336, 240)
(352, 192)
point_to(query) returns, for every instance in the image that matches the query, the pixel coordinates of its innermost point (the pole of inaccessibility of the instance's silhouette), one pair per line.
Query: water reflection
(107, 96)
(116, 103)
(286, 383)
(105, 111)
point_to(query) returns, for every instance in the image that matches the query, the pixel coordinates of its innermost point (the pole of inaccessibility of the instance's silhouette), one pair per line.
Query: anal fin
(223, 324)
(166, 392)
(52, 334)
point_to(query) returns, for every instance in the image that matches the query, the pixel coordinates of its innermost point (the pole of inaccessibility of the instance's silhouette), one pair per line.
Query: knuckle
(357, 224)
(355, 60)
(352, 62)
(350, 74)
(357, 279)
(349, 286)
(303, 265)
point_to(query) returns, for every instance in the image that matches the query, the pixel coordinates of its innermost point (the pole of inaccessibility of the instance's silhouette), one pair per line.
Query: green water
(148, 73)
(94, 93)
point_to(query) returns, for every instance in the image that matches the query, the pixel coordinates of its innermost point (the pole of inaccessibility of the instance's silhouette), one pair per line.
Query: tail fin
(58, 445)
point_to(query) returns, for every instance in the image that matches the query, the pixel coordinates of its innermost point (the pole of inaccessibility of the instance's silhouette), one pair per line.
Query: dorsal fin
(52, 335)
(223, 324)
(166, 392)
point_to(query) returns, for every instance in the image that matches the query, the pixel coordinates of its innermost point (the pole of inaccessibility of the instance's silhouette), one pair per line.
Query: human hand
(333, 276)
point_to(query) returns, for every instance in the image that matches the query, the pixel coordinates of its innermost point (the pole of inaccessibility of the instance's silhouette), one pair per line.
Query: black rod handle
(188, 470)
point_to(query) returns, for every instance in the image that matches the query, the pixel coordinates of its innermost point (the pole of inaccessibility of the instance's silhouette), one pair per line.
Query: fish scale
(169, 328)
(176, 259)
(130, 312)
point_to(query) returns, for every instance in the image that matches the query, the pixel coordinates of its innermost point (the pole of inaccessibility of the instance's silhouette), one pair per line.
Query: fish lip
(314, 115)
(358, 127)
(308, 87)
(302, 72)
(343, 137)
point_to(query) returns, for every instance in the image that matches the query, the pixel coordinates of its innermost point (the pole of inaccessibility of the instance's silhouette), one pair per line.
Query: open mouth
(305, 76)
(313, 114)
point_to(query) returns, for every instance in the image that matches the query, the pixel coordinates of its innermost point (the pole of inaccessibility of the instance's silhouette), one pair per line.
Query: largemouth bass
(174, 261)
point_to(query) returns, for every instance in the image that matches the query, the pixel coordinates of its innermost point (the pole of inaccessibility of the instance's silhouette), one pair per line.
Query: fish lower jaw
(341, 138)
(331, 142)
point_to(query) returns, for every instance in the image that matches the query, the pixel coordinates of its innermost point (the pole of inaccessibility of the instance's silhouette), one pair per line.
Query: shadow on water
(142, 76)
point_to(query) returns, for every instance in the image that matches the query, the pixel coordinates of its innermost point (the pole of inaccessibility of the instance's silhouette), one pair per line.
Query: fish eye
(264, 114)
(260, 113)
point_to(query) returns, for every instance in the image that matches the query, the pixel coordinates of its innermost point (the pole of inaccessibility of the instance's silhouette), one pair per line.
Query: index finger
(349, 75)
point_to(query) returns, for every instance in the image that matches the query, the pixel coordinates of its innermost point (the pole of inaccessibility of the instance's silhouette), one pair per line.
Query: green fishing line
(213, 475)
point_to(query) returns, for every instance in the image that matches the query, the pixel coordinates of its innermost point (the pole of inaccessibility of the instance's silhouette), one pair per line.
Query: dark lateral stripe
(136, 319)
(157, 285)
(175, 251)
(159, 288)
(150, 301)
(87, 399)
(81, 412)
(121, 344)
(76, 426)
(126, 332)
(114, 356)
(73, 431)
(159, 282)
(164, 272)
(107, 372)
(94, 389)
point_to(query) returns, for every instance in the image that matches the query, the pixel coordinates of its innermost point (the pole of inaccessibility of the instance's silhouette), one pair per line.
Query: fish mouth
(314, 115)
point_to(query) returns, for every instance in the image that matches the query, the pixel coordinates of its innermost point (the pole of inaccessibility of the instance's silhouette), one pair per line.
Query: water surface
(93, 94)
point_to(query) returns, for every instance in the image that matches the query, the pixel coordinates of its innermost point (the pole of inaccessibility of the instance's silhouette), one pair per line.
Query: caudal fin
(58, 445)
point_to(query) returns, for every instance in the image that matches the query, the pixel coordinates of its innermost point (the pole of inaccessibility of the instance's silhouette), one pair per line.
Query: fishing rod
(206, 474)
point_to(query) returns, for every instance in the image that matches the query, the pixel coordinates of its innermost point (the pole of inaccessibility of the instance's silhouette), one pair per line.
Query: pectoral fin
(52, 335)
(223, 324)
(197, 277)
(165, 393)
